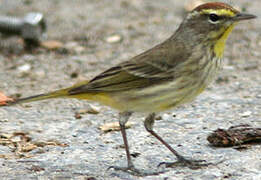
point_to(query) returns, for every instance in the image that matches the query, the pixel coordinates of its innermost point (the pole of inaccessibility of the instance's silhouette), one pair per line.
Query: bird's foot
(183, 162)
(136, 172)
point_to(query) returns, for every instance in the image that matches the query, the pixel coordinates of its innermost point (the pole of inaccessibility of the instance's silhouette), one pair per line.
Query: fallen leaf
(114, 126)
(52, 44)
(6, 156)
(21, 144)
(4, 99)
(28, 147)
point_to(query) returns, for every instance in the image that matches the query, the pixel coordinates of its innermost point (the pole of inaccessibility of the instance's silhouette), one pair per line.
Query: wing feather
(151, 67)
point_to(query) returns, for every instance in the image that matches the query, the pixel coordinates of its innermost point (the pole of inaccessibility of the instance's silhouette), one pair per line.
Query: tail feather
(55, 94)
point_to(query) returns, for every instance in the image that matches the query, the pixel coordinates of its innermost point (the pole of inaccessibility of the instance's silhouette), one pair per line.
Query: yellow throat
(221, 42)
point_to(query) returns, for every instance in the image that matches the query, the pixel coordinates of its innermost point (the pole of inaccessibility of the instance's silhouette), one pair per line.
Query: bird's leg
(182, 161)
(124, 117)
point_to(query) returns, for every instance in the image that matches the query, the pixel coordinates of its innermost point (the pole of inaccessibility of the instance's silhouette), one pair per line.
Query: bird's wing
(146, 69)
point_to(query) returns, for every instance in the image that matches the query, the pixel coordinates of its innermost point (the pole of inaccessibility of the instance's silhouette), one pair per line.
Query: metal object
(32, 28)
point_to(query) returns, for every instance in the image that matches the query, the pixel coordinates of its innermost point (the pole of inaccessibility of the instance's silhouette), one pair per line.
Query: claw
(192, 164)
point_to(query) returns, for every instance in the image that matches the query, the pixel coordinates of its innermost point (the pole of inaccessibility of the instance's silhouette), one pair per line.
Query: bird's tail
(54, 94)
(62, 93)
(79, 91)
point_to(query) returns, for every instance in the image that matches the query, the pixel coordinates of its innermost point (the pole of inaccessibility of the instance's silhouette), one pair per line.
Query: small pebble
(74, 75)
(246, 114)
(36, 168)
(228, 67)
(94, 109)
(91, 110)
(158, 118)
(165, 116)
(113, 38)
(77, 116)
(24, 68)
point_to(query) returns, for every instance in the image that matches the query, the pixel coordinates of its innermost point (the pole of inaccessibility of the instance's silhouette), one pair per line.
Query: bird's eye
(213, 18)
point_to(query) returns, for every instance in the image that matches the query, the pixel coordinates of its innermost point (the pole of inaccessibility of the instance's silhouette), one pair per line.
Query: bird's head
(211, 23)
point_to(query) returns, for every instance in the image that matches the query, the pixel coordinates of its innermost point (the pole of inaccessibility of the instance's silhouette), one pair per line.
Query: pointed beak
(243, 16)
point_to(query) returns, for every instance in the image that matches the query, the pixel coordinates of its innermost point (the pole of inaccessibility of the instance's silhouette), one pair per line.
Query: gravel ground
(77, 148)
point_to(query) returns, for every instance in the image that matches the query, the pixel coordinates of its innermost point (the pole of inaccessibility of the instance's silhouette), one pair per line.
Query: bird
(164, 77)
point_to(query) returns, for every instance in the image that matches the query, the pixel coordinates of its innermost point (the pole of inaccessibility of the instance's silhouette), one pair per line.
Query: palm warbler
(170, 74)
